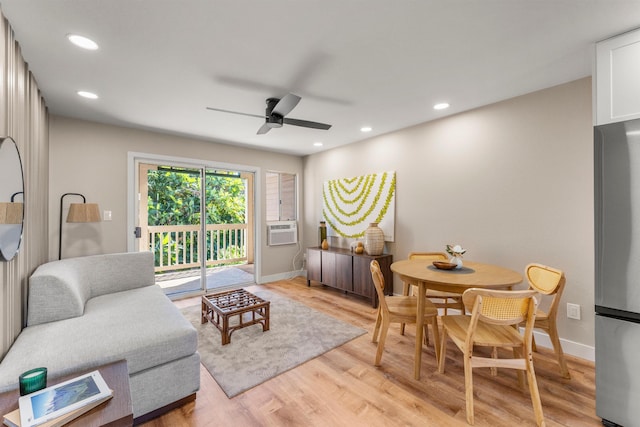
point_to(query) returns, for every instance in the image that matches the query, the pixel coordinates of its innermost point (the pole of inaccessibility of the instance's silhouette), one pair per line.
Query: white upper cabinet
(617, 96)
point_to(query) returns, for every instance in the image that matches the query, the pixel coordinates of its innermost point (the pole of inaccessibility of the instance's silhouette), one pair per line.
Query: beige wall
(91, 159)
(23, 116)
(511, 182)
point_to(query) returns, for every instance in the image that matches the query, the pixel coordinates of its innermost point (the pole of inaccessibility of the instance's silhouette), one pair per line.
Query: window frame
(286, 185)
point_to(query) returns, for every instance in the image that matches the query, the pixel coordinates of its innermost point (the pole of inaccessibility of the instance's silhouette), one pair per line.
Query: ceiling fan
(275, 114)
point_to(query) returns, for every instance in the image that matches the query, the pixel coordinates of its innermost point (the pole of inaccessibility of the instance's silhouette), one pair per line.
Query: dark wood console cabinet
(348, 271)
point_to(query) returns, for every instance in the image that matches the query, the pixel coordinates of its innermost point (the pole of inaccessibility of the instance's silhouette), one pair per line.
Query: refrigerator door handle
(613, 313)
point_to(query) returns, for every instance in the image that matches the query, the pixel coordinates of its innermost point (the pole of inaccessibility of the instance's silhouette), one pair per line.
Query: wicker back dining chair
(440, 299)
(491, 324)
(549, 281)
(398, 309)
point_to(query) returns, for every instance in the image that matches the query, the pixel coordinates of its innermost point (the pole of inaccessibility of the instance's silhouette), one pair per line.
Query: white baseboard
(573, 348)
(280, 276)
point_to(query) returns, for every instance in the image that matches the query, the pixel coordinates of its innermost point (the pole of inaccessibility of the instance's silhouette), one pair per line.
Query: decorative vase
(457, 261)
(325, 244)
(455, 252)
(322, 232)
(373, 239)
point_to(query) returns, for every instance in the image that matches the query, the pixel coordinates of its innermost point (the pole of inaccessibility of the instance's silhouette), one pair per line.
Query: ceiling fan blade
(286, 104)
(263, 129)
(306, 123)
(236, 112)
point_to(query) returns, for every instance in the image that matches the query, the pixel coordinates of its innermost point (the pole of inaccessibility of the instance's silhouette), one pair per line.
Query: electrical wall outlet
(106, 215)
(573, 311)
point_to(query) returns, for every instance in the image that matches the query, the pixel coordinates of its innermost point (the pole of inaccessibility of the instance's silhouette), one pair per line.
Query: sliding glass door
(197, 222)
(228, 240)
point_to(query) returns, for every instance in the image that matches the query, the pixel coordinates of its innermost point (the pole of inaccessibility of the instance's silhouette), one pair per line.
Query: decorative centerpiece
(456, 253)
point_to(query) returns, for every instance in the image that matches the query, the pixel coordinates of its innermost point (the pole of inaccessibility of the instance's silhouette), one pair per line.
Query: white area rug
(297, 334)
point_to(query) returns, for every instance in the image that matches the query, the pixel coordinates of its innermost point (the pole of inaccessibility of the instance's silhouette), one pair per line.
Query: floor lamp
(78, 212)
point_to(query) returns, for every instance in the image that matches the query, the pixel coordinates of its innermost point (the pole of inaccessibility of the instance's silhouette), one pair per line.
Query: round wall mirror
(11, 199)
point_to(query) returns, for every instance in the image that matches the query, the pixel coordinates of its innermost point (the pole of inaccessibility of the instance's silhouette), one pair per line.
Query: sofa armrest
(55, 294)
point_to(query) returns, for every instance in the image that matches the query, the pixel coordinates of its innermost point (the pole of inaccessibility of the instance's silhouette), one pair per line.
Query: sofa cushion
(141, 325)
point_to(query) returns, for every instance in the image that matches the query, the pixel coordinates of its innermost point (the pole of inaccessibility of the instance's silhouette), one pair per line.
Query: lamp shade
(11, 213)
(83, 212)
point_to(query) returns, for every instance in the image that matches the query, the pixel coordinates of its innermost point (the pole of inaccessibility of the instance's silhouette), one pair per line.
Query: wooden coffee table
(115, 412)
(232, 310)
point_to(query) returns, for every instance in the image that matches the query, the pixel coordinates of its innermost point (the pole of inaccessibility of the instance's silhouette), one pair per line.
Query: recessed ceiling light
(82, 42)
(441, 106)
(89, 95)
(366, 129)
(317, 144)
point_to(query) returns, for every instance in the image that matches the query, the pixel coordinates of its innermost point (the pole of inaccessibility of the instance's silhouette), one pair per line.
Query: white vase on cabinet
(373, 239)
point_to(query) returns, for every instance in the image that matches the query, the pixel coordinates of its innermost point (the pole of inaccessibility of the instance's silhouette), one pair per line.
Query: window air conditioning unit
(282, 233)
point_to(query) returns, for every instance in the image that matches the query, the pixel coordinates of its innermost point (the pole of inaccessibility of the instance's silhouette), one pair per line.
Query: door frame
(135, 158)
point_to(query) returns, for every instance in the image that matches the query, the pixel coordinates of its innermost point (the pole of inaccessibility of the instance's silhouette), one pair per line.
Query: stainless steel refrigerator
(617, 269)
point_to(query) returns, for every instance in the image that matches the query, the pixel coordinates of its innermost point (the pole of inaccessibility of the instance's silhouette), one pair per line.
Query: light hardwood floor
(343, 388)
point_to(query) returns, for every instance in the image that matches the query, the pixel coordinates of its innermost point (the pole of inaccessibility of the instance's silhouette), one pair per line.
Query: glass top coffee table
(232, 310)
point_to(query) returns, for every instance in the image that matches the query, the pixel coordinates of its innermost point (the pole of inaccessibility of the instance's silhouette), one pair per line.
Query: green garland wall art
(349, 205)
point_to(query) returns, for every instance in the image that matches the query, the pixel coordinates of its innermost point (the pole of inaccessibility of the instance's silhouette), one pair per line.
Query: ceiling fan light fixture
(82, 42)
(274, 121)
(275, 115)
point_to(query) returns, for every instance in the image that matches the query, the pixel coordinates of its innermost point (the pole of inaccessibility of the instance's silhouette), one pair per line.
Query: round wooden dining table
(424, 275)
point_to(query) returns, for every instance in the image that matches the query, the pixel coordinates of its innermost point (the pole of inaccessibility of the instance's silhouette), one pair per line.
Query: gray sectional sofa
(85, 312)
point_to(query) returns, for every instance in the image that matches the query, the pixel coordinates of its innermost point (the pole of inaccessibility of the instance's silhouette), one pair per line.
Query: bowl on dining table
(444, 265)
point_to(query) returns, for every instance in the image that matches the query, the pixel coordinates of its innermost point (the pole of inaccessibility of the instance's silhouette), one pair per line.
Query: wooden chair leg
(405, 288)
(468, 387)
(405, 292)
(426, 333)
(533, 343)
(518, 354)
(494, 355)
(376, 329)
(436, 337)
(383, 338)
(557, 348)
(443, 350)
(533, 390)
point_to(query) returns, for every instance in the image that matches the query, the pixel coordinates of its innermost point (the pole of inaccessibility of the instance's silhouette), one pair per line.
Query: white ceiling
(381, 63)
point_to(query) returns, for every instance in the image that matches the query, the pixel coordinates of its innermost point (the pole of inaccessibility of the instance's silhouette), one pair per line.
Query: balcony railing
(177, 247)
